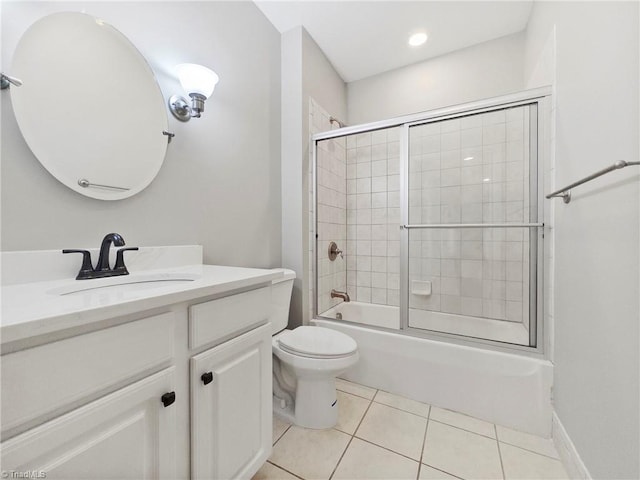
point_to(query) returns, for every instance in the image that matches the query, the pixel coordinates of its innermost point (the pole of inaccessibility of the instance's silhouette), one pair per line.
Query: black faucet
(102, 268)
(103, 259)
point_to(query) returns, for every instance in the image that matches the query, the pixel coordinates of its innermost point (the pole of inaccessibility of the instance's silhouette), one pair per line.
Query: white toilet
(306, 362)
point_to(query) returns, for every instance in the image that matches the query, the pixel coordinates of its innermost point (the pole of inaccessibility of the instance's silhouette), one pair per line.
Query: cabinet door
(231, 407)
(128, 434)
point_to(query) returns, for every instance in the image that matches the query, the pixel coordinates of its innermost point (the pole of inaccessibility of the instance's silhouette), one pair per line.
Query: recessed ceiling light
(486, 179)
(467, 159)
(417, 39)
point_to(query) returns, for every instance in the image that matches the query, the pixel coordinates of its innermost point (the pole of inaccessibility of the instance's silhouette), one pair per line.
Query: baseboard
(567, 451)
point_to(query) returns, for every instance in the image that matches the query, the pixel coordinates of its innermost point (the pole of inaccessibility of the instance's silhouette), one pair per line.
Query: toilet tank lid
(286, 275)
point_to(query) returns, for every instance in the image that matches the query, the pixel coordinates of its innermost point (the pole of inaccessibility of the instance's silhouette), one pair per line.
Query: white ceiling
(364, 38)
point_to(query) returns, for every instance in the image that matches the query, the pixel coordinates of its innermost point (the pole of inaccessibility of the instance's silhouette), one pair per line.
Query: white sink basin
(128, 283)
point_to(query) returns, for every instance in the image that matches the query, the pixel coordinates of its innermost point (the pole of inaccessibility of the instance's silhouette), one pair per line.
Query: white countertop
(37, 308)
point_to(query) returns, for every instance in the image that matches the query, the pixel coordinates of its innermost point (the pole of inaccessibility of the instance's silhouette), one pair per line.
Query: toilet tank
(281, 289)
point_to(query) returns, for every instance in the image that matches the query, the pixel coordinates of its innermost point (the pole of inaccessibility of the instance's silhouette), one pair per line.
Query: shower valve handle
(334, 251)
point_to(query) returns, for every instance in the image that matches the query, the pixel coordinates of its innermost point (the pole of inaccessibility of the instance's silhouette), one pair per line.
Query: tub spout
(343, 295)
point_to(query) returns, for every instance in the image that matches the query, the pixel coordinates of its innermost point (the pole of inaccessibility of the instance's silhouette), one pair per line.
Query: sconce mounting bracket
(180, 107)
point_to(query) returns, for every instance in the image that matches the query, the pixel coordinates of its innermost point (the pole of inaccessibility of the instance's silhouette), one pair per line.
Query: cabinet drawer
(218, 319)
(43, 379)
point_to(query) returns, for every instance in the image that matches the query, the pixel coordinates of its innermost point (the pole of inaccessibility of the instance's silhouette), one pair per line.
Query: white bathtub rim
(444, 339)
(470, 341)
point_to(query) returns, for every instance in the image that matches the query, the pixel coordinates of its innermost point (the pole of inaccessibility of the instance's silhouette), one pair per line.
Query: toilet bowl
(306, 362)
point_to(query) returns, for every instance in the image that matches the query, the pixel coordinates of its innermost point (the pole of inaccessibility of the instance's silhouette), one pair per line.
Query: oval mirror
(89, 108)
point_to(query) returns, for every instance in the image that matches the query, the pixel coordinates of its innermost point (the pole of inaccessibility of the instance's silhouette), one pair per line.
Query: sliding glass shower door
(471, 229)
(438, 217)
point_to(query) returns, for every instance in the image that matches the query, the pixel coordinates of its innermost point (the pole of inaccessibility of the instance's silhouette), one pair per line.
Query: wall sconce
(199, 82)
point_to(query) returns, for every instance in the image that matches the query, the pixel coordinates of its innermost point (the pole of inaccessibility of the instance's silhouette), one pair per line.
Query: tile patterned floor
(383, 436)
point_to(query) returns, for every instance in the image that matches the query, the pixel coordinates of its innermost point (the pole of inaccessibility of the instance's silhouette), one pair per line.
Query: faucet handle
(334, 251)
(120, 266)
(86, 269)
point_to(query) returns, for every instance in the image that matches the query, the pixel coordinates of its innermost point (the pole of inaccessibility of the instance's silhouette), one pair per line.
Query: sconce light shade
(197, 79)
(199, 82)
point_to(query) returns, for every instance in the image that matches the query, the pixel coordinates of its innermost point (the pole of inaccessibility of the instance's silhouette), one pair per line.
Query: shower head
(335, 120)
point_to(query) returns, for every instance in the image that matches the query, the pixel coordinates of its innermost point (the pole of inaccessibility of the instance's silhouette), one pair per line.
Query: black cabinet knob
(207, 378)
(168, 398)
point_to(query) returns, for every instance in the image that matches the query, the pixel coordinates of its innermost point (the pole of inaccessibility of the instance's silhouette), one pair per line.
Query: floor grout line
(281, 435)
(499, 452)
(463, 429)
(371, 402)
(340, 459)
(424, 441)
(428, 418)
(355, 394)
(284, 469)
(352, 437)
(403, 410)
(373, 399)
(445, 423)
(386, 448)
(364, 415)
(529, 450)
(443, 471)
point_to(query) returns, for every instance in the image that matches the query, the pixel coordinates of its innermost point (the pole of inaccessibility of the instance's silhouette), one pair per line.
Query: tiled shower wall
(473, 169)
(373, 216)
(332, 210)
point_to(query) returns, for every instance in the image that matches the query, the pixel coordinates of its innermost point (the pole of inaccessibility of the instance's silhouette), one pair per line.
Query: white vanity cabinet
(130, 398)
(231, 407)
(128, 434)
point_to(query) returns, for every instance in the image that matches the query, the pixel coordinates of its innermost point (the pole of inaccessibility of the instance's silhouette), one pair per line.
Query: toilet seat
(317, 342)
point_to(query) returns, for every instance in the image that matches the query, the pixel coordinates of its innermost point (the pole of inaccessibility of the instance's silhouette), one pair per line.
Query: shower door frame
(539, 151)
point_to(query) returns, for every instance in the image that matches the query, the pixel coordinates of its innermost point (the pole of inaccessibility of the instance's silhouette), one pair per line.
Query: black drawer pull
(168, 398)
(207, 378)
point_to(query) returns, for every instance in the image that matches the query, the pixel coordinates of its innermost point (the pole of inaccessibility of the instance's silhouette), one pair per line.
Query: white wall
(220, 182)
(292, 168)
(306, 73)
(597, 236)
(486, 70)
(320, 80)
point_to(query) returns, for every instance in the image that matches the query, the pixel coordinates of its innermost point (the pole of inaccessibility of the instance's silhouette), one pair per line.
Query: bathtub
(506, 389)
